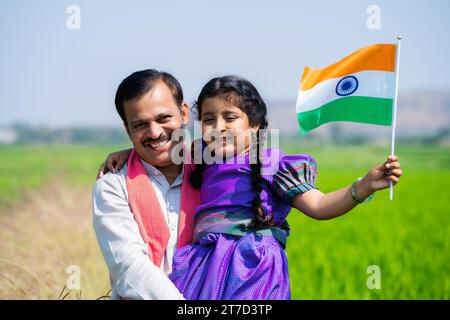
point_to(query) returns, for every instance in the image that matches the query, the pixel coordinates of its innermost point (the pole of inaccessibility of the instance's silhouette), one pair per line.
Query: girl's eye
(207, 120)
(230, 118)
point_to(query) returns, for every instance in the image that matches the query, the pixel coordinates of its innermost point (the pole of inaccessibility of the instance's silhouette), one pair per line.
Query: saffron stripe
(376, 57)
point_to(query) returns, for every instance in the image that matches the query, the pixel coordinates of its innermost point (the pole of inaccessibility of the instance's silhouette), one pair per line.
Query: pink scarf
(147, 210)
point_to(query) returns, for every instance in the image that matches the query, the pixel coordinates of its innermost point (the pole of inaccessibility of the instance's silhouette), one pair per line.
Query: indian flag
(359, 88)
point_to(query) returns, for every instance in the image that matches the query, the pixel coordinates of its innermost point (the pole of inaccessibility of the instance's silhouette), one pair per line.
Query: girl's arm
(114, 162)
(321, 206)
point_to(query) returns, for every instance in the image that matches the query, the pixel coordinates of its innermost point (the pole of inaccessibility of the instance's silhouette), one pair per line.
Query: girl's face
(225, 127)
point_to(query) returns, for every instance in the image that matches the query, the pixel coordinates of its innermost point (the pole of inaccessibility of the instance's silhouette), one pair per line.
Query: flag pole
(394, 121)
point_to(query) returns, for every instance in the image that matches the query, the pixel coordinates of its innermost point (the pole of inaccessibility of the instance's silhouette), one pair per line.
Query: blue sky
(51, 75)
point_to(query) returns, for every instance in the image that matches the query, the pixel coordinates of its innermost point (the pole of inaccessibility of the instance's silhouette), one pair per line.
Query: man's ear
(184, 113)
(125, 125)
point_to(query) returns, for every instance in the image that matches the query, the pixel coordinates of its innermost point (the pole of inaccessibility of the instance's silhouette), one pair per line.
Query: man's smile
(159, 143)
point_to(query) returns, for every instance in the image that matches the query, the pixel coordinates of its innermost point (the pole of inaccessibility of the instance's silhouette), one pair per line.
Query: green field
(28, 167)
(407, 238)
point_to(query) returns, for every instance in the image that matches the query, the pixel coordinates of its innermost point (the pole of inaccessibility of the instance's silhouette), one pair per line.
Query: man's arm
(132, 273)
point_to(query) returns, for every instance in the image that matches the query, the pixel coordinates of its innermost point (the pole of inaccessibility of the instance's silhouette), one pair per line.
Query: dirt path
(48, 240)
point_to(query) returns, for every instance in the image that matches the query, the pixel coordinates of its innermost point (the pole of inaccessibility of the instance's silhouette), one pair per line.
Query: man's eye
(230, 118)
(138, 125)
(166, 117)
(207, 120)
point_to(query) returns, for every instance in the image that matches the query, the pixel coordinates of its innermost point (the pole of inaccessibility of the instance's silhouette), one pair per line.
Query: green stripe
(354, 109)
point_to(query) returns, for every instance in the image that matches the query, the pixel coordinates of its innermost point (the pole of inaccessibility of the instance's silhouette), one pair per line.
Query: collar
(156, 174)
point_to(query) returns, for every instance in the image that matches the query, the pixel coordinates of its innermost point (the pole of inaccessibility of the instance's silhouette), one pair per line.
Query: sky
(54, 75)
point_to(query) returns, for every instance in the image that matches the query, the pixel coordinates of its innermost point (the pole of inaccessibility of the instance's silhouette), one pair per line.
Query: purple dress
(230, 259)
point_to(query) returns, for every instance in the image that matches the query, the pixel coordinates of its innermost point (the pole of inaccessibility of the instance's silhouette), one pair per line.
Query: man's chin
(159, 156)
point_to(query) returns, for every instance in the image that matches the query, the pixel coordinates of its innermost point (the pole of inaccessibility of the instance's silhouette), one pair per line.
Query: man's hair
(140, 82)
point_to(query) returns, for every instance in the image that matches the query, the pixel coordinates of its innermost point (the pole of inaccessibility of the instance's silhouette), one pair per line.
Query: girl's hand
(379, 177)
(114, 162)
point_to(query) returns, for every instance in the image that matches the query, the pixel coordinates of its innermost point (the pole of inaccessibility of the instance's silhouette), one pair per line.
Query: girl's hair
(246, 97)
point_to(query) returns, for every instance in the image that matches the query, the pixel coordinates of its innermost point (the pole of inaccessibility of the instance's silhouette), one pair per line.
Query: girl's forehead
(220, 104)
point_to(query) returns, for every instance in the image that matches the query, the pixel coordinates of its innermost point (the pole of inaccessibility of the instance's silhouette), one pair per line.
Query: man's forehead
(147, 112)
(158, 94)
(147, 107)
(159, 91)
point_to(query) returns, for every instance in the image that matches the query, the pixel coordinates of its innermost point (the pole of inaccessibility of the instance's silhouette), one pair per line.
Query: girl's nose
(220, 125)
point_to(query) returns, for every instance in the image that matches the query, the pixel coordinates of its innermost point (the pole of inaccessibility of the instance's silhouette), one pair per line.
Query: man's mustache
(164, 136)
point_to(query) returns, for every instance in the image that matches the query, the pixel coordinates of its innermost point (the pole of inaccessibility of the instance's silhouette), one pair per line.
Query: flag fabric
(359, 88)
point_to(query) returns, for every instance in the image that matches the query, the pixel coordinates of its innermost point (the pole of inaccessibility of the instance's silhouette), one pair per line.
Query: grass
(45, 222)
(408, 238)
(28, 167)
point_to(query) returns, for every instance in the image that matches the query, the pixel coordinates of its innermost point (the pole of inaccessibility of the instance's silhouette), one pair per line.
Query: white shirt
(132, 274)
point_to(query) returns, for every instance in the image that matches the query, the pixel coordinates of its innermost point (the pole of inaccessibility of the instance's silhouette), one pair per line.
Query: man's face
(151, 119)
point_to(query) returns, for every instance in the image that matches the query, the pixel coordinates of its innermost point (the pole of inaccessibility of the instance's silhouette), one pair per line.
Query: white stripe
(377, 84)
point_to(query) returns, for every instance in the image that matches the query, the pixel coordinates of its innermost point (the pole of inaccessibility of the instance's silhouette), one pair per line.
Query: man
(151, 106)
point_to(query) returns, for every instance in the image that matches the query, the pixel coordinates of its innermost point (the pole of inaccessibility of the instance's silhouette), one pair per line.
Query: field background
(45, 226)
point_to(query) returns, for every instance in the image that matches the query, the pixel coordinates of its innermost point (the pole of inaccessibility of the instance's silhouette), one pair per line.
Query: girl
(240, 227)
